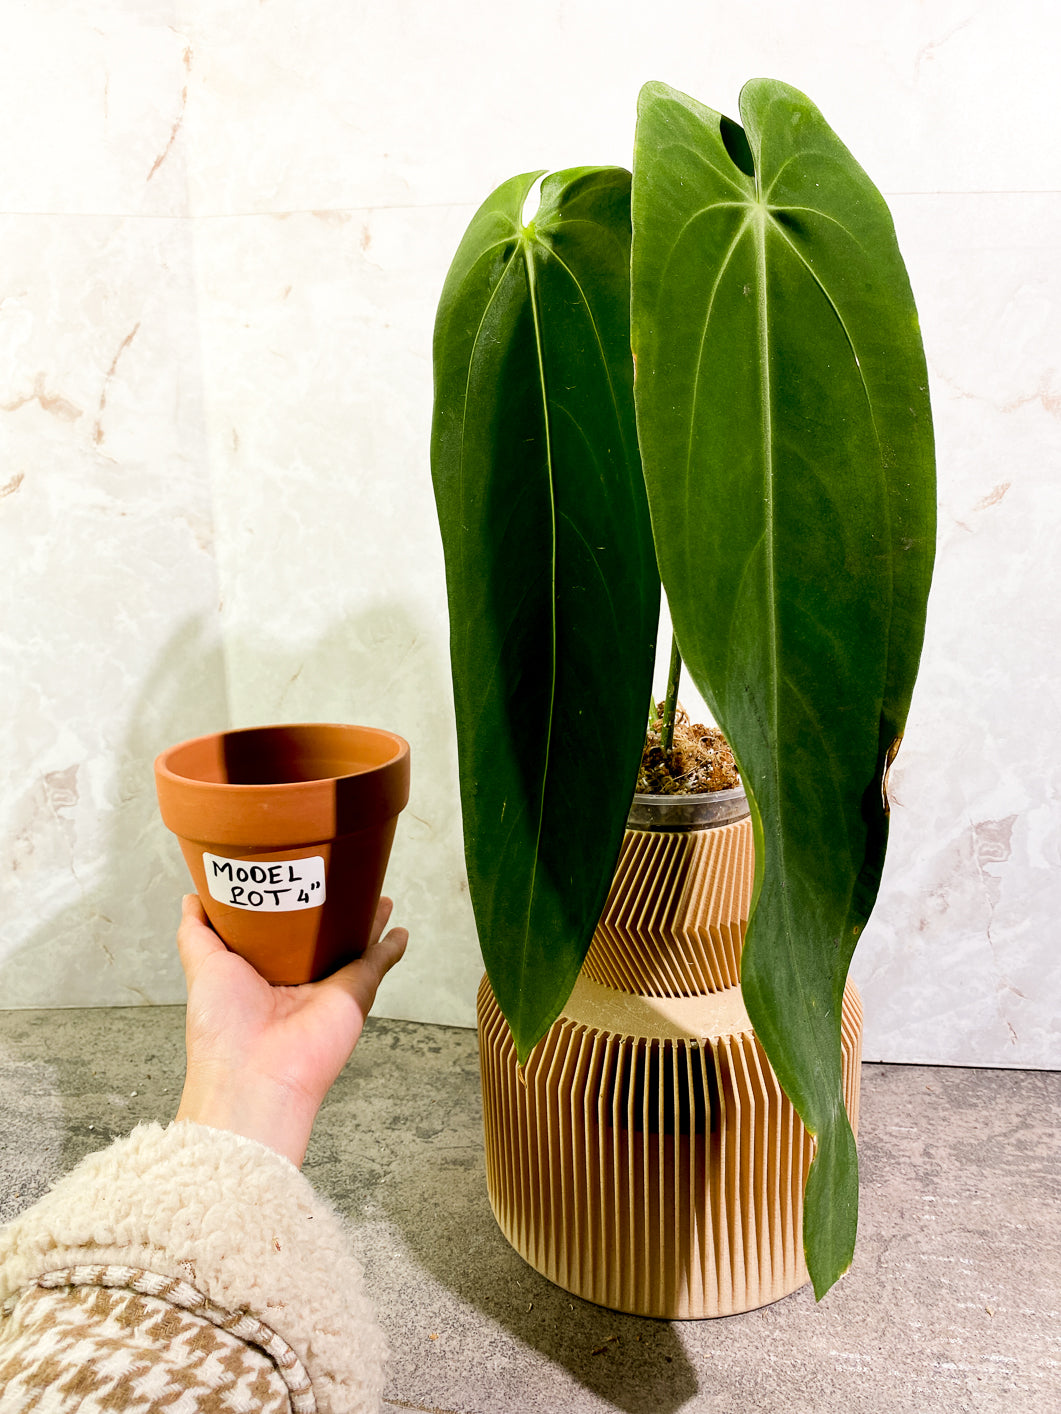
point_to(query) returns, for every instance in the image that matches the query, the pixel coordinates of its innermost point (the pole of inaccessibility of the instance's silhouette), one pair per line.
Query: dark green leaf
(786, 434)
(550, 571)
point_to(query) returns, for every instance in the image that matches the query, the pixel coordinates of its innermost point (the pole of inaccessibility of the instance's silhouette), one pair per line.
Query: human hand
(262, 1058)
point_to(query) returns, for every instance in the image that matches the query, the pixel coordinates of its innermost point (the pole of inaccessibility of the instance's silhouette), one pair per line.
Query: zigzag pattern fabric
(93, 1344)
(190, 1271)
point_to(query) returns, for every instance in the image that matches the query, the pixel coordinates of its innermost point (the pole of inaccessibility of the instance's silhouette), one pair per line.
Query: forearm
(256, 1108)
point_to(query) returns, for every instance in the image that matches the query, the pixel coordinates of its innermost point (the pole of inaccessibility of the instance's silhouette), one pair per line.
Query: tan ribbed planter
(647, 1159)
(286, 832)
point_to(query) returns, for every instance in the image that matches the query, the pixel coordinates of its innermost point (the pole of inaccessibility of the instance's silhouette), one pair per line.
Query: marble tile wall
(224, 225)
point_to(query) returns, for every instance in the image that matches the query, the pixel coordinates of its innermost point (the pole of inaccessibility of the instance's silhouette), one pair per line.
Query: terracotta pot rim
(282, 814)
(162, 768)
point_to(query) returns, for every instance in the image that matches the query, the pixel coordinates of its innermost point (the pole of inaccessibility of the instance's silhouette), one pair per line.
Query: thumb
(196, 940)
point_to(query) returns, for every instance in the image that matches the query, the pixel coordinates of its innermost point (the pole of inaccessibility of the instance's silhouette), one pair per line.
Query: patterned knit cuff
(233, 1220)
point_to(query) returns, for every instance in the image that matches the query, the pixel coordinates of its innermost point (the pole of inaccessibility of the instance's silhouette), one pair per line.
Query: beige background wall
(224, 225)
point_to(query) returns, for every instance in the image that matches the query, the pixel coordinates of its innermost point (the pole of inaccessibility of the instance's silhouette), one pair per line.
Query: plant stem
(670, 707)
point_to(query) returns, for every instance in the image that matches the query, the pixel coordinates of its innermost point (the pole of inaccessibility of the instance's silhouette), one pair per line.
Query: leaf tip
(823, 1284)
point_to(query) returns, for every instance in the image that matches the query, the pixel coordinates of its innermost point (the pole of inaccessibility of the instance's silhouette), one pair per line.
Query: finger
(384, 909)
(196, 940)
(385, 952)
(360, 979)
(192, 907)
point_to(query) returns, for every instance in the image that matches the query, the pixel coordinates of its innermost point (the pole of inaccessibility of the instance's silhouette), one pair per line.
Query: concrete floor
(953, 1303)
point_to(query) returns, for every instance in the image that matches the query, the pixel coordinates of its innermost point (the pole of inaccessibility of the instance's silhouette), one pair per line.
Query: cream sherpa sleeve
(198, 1267)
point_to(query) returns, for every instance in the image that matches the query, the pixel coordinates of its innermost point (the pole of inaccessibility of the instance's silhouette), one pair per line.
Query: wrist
(252, 1107)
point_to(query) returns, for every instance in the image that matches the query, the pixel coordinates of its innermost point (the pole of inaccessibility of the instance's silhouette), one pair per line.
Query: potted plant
(711, 374)
(645, 1157)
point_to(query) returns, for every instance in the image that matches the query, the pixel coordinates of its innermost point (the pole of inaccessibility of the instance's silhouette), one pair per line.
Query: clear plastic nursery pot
(287, 831)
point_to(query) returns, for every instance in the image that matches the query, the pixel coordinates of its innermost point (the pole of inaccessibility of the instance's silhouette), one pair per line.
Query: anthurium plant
(709, 372)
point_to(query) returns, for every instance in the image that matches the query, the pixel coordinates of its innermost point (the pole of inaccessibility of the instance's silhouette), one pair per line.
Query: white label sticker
(266, 886)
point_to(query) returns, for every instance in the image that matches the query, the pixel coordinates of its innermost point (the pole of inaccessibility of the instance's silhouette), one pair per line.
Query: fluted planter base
(647, 1158)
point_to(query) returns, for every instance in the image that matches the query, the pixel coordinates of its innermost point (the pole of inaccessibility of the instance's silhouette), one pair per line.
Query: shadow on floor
(417, 1089)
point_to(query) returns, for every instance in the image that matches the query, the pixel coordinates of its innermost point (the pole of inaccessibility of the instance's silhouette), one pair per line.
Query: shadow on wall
(384, 666)
(114, 945)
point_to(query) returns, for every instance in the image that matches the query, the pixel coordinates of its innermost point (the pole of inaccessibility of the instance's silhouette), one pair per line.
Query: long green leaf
(550, 571)
(785, 429)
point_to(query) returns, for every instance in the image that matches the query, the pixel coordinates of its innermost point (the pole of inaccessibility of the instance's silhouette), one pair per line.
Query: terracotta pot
(287, 831)
(646, 1158)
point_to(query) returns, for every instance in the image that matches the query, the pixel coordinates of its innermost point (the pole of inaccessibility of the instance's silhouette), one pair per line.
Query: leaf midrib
(759, 227)
(532, 290)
